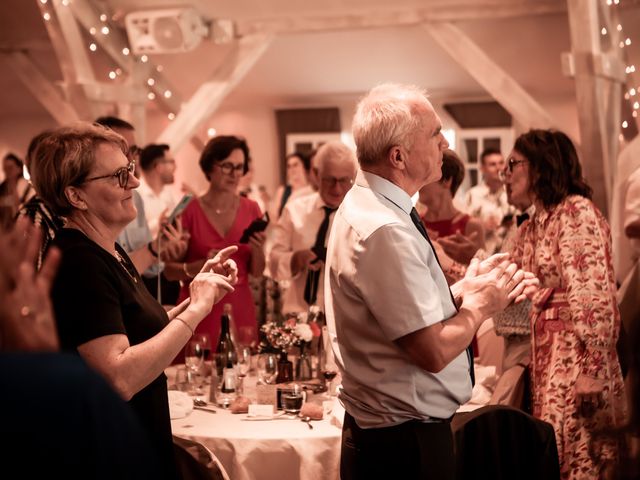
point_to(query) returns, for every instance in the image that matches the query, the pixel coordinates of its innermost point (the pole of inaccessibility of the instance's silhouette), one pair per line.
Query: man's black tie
(415, 217)
(313, 276)
(521, 218)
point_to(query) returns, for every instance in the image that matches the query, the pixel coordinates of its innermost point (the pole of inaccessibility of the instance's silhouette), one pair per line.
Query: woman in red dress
(216, 220)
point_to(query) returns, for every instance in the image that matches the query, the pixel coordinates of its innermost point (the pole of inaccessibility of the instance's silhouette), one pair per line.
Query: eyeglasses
(122, 174)
(511, 164)
(228, 168)
(331, 182)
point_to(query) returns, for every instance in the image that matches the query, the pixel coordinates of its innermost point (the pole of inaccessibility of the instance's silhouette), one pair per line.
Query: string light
(171, 116)
(632, 92)
(144, 59)
(46, 16)
(625, 124)
(635, 114)
(627, 42)
(105, 30)
(167, 94)
(619, 27)
(151, 95)
(118, 71)
(211, 132)
(93, 47)
(151, 82)
(159, 68)
(103, 17)
(125, 51)
(112, 75)
(621, 44)
(44, 2)
(92, 30)
(636, 105)
(65, 3)
(603, 31)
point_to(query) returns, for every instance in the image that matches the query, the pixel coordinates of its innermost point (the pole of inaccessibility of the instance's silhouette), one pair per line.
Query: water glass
(267, 368)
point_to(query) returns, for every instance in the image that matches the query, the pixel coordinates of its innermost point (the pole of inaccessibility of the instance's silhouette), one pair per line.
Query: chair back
(196, 462)
(502, 442)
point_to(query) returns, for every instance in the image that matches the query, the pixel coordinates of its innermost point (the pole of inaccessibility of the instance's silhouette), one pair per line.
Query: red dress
(205, 237)
(449, 226)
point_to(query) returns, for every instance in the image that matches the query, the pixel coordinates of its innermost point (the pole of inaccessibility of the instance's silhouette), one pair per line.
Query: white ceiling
(317, 67)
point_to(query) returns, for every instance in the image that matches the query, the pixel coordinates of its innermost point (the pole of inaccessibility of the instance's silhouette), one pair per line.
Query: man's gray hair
(334, 150)
(385, 117)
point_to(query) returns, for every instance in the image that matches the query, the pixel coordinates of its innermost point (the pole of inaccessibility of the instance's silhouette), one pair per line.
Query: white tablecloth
(265, 449)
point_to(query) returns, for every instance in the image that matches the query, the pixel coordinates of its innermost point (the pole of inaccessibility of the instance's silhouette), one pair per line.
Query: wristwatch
(153, 252)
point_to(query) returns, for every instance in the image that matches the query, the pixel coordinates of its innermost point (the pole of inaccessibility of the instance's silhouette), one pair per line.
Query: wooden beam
(440, 11)
(494, 79)
(140, 72)
(598, 96)
(209, 95)
(42, 89)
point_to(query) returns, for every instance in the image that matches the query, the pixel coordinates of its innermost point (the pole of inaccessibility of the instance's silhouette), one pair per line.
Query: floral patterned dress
(575, 325)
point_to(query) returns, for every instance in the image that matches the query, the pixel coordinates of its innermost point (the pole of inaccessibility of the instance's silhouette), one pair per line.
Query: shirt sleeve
(282, 247)
(85, 299)
(404, 297)
(584, 250)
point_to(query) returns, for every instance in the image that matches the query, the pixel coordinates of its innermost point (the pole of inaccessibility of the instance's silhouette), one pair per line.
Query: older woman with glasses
(576, 377)
(217, 220)
(102, 308)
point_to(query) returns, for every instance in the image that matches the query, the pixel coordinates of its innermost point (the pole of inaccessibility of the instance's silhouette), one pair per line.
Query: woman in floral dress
(576, 379)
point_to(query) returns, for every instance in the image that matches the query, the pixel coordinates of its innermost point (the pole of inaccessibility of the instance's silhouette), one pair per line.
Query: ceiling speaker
(165, 31)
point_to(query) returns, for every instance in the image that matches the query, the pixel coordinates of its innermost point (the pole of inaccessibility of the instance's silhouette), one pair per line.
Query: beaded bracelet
(185, 324)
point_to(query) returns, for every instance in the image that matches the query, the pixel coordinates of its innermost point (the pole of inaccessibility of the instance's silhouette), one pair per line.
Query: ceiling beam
(42, 89)
(448, 11)
(210, 94)
(493, 78)
(113, 44)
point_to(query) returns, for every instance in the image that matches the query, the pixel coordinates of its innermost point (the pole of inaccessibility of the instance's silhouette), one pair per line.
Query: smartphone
(258, 225)
(179, 208)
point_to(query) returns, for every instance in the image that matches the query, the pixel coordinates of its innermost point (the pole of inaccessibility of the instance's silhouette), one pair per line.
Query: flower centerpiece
(290, 331)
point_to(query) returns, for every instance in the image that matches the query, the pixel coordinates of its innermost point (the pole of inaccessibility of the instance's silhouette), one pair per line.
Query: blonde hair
(64, 157)
(387, 116)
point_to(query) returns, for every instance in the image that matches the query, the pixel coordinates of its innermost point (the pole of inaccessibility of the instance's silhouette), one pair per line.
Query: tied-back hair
(64, 157)
(387, 116)
(219, 148)
(305, 159)
(452, 168)
(554, 168)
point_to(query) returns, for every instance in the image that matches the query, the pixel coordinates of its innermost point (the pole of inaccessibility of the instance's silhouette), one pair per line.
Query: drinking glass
(193, 360)
(244, 361)
(267, 368)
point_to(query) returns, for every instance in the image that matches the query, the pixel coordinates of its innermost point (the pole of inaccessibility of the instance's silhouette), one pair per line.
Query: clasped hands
(492, 284)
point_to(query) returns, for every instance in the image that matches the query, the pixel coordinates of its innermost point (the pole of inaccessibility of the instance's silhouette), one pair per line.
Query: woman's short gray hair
(388, 115)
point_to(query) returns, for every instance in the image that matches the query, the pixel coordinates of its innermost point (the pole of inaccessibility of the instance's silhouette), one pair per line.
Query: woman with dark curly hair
(576, 377)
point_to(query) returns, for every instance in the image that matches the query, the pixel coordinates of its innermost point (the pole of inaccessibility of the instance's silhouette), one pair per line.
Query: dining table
(276, 447)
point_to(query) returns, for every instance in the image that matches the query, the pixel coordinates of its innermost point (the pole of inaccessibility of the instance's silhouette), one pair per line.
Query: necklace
(124, 265)
(220, 211)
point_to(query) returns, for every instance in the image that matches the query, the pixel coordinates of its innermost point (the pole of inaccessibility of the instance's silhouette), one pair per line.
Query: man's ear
(75, 198)
(396, 157)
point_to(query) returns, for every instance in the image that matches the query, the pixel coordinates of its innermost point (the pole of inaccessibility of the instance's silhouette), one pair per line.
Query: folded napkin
(180, 404)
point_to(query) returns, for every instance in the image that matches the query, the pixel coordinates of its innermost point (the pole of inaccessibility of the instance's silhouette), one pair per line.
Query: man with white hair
(298, 251)
(400, 342)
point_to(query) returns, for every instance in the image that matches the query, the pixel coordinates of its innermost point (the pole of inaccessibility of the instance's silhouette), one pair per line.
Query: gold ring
(25, 311)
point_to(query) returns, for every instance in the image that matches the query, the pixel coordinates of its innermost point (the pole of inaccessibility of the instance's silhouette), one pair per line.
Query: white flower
(303, 317)
(303, 331)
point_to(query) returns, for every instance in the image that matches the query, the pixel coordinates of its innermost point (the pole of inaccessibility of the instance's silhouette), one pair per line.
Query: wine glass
(244, 361)
(329, 374)
(267, 368)
(193, 360)
(205, 368)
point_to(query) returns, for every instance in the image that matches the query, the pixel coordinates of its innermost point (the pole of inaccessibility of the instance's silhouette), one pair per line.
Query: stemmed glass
(267, 368)
(205, 368)
(193, 359)
(244, 365)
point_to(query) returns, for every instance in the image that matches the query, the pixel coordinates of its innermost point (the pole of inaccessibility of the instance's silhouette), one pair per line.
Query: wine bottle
(226, 349)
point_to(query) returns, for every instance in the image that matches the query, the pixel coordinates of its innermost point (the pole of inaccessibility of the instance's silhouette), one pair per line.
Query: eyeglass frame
(228, 167)
(118, 174)
(511, 164)
(333, 181)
